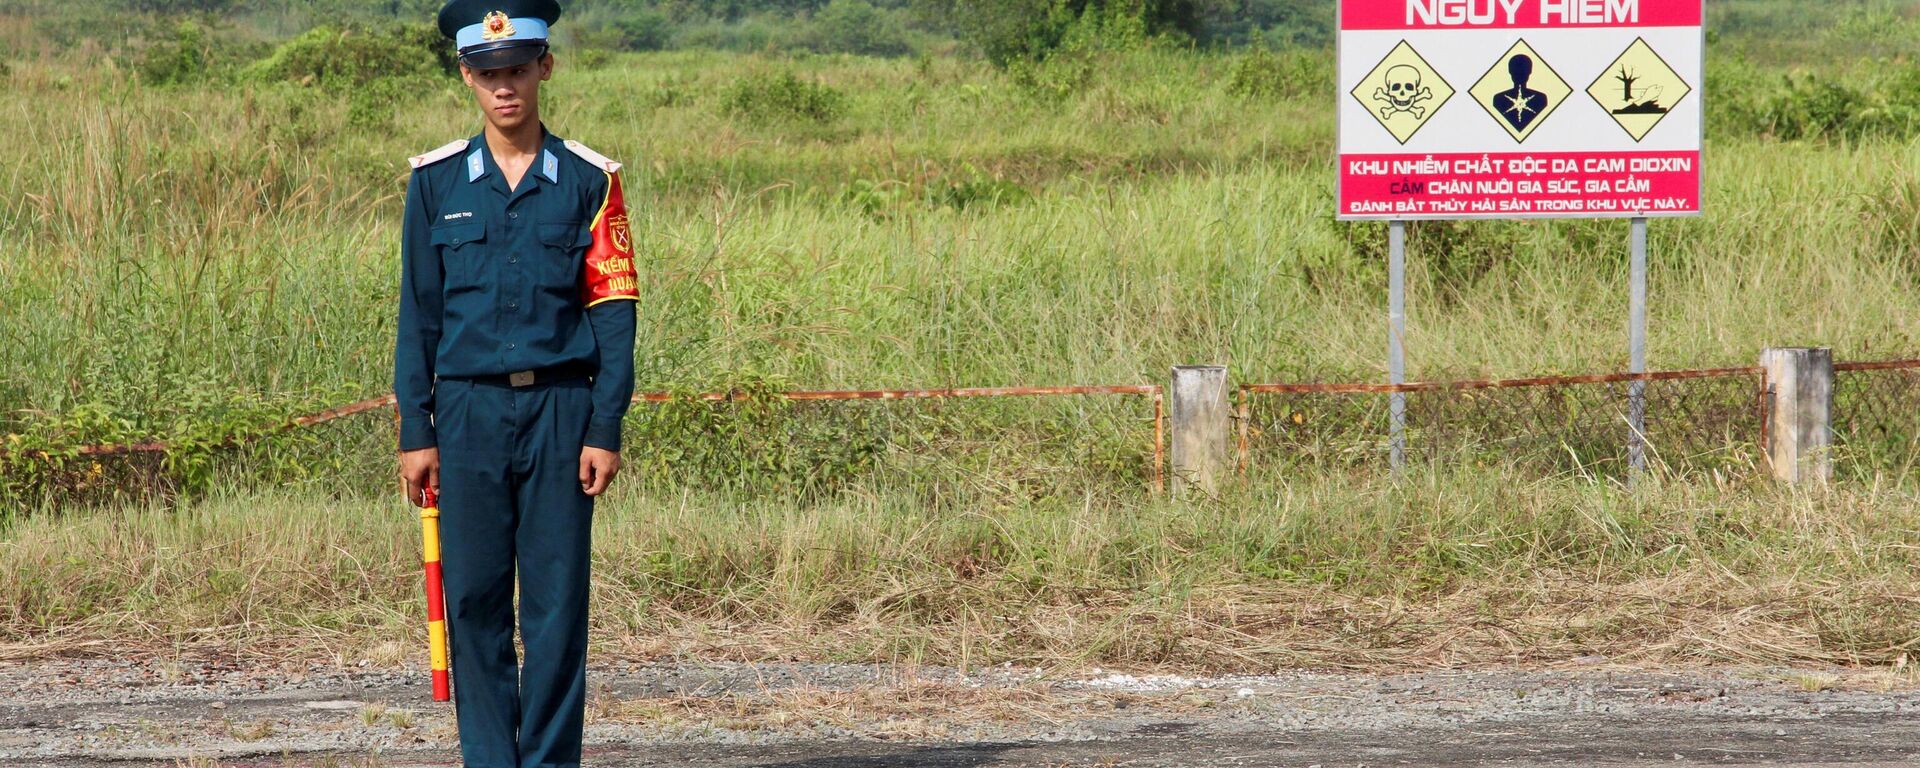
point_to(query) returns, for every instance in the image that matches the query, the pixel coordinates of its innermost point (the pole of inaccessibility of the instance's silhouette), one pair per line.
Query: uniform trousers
(511, 503)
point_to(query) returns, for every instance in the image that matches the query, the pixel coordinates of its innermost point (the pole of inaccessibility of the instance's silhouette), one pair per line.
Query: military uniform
(515, 350)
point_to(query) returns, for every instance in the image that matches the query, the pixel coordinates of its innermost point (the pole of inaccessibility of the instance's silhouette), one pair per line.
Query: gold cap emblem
(496, 26)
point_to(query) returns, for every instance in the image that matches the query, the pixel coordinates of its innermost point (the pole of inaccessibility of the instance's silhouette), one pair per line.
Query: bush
(760, 444)
(180, 7)
(647, 30)
(1277, 23)
(355, 55)
(1263, 74)
(754, 33)
(975, 191)
(191, 54)
(1069, 67)
(198, 419)
(639, 30)
(765, 98)
(1010, 31)
(855, 26)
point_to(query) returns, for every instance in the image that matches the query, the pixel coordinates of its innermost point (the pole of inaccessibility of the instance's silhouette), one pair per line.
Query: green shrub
(197, 417)
(1010, 31)
(855, 26)
(1815, 108)
(647, 30)
(976, 190)
(761, 444)
(179, 7)
(590, 58)
(765, 98)
(1264, 75)
(1276, 23)
(192, 53)
(355, 55)
(643, 29)
(751, 34)
(1089, 44)
(1822, 106)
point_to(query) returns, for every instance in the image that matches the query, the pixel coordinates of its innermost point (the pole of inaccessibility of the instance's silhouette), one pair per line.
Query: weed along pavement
(88, 714)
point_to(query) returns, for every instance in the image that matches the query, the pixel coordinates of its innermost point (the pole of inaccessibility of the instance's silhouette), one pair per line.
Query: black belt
(558, 373)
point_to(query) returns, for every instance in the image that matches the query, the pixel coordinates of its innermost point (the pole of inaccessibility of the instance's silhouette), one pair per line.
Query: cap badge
(496, 27)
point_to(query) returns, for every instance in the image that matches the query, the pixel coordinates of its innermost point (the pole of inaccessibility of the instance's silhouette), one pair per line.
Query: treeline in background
(1002, 29)
(1782, 67)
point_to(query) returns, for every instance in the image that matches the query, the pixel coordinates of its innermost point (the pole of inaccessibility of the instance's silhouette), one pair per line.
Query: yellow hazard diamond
(1520, 91)
(1639, 89)
(1402, 92)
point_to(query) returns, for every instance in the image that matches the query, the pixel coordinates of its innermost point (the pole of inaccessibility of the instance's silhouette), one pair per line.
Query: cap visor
(501, 58)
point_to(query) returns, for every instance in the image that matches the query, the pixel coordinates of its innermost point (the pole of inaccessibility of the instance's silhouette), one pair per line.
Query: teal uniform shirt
(497, 280)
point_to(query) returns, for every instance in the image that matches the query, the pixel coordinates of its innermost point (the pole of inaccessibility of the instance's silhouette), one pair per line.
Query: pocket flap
(566, 235)
(458, 234)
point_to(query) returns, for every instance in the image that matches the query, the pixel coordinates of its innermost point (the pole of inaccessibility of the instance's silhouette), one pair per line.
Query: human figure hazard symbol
(1520, 91)
(1522, 105)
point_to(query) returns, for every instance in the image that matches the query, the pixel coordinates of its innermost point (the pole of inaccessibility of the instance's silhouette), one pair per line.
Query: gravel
(94, 713)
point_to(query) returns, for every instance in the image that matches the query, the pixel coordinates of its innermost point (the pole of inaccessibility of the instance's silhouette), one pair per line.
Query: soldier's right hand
(420, 470)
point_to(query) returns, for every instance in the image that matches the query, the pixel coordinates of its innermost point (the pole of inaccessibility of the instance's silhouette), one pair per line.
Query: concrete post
(1799, 414)
(1201, 419)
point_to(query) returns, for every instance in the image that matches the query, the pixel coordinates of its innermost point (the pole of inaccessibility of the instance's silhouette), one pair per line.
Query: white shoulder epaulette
(422, 161)
(593, 157)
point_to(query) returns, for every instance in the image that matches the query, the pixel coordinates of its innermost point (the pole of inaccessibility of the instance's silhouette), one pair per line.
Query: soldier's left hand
(597, 468)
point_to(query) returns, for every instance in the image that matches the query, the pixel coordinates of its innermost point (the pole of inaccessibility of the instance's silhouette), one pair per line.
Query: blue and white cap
(491, 34)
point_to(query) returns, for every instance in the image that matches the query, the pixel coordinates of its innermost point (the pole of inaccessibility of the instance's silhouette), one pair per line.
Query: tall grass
(1447, 569)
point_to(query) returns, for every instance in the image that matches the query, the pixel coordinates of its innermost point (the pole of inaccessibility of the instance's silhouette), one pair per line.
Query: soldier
(513, 368)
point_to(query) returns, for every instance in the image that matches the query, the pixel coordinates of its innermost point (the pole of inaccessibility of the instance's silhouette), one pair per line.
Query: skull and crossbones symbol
(1403, 93)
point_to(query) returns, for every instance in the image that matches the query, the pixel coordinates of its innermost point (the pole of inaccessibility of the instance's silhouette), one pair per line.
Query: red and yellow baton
(436, 595)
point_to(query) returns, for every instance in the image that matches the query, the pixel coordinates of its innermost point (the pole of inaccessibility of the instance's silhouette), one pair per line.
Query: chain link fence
(1036, 442)
(1876, 421)
(1709, 425)
(1703, 423)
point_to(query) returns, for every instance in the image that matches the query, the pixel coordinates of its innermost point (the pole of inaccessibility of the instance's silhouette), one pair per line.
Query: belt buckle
(520, 379)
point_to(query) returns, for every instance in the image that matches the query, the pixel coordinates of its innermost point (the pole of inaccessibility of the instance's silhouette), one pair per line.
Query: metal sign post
(1397, 335)
(1637, 354)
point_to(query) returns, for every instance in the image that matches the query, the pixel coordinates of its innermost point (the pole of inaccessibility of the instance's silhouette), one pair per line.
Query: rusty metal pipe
(1451, 386)
(906, 394)
(1884, 365)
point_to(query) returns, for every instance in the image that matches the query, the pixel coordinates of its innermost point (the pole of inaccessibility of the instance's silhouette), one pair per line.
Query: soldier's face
(509, 96)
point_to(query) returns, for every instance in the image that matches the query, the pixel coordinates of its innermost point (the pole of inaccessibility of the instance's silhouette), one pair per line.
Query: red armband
(610, 274)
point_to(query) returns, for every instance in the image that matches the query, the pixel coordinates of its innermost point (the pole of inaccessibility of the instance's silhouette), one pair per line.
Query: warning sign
(1587, 108)
(1639, 89)
(1521, 90)
(1403, 92)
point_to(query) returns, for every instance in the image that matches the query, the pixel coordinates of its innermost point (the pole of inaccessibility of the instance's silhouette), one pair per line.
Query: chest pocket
(453, 236)
(462, 254)
(565, 245)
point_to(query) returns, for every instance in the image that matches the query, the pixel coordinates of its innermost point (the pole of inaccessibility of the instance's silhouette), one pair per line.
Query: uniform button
(510, 346)
(513, 259)
(513, 215)
(513, 305)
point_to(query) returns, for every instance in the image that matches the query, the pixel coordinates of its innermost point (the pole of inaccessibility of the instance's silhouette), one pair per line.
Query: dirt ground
(93, 714)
